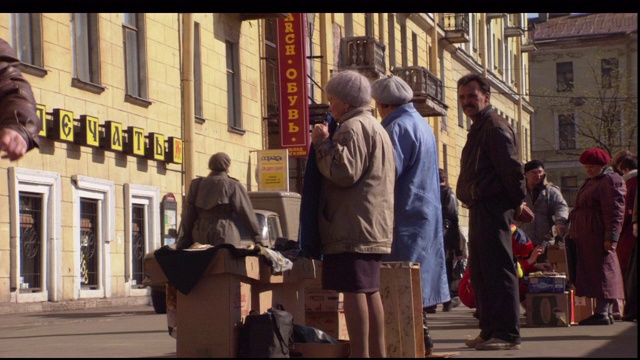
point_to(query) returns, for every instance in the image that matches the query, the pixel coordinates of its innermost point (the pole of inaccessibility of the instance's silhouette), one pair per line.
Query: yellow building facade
(136, 103)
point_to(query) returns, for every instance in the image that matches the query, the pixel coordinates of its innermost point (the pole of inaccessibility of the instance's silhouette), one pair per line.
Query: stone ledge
(67, 305)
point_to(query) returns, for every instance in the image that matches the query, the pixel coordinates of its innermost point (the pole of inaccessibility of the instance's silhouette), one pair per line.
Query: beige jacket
(356, 196)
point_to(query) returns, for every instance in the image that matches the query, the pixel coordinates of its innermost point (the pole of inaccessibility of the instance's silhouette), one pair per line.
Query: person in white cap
(417, 235)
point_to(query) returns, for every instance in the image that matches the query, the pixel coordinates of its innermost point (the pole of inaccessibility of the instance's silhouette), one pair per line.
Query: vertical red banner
(292, 73)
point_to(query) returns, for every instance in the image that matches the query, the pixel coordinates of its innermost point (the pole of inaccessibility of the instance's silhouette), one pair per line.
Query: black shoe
(431, 309)
(596, 319)
(628, 318)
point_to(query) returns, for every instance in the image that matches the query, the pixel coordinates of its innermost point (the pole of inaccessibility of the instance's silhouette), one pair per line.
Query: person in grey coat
(548, 205)
(214, 207)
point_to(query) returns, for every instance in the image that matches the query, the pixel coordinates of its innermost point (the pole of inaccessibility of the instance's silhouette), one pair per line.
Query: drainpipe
(485, 40)
(187, 100)
(433, 68)
(326, 50)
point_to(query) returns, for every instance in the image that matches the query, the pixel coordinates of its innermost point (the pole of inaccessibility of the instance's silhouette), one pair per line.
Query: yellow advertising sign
(273, 170)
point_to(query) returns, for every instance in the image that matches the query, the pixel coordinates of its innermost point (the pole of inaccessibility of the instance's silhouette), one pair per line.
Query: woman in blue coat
(417, 233)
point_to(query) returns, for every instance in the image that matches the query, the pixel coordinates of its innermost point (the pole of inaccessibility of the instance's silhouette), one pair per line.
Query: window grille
(30, 242)
(89, 247)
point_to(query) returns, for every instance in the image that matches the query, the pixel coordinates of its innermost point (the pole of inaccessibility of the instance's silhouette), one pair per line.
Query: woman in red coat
(596, 222)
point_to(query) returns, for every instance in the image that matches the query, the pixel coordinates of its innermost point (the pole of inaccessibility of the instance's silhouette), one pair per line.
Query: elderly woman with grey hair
(212, 206)
(355, 217)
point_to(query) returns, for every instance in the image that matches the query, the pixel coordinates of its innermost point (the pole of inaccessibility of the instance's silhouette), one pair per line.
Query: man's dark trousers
(492, 269)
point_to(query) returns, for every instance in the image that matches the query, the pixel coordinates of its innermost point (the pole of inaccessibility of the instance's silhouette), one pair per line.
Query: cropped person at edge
(19, 122)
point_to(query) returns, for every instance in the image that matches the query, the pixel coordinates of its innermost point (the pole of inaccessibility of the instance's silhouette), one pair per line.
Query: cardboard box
(320, 350)
(316, 299)
(288, 294)
(401, 293)
(285, 288)
(582, 307)
(209, 315)
(557, 257)
(315, 282)
(331, 322)
(548, 310)
(547, 284)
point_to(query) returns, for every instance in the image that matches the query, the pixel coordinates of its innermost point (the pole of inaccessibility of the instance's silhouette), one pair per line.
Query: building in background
(136, 103)
(123, 139)
(431, 51)
(584, 86)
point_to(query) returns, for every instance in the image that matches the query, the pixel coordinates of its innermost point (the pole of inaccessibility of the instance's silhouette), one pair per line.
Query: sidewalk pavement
(449, 331)
(136, 331)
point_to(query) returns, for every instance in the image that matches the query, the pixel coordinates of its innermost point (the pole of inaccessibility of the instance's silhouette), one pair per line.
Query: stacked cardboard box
(324, 309)
(557, 257)
(547, 283)
(549, 309)
(209, 316)
(320, 350)
(582, 308)
(582, 305)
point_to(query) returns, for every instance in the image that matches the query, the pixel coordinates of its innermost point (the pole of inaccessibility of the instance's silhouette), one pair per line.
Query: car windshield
(262, 223)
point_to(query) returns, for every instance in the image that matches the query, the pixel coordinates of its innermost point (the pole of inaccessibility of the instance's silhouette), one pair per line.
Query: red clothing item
(522, 248)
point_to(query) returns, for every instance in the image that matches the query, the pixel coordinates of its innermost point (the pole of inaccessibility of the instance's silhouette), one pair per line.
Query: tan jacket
(17, 104)
(356, 196)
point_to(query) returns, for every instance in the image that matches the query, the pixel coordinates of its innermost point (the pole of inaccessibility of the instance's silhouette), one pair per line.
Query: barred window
(564, 75)
(609, 72)
(89, 243)
(567, 131)
(31, 251)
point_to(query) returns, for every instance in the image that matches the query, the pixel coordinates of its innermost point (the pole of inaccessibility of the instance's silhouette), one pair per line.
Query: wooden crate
(401, 294)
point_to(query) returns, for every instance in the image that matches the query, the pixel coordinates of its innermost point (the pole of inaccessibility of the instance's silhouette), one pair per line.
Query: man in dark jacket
(19, 122)
(491, 184)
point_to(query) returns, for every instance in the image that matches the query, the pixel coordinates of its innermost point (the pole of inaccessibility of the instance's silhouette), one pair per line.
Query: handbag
(268, 335)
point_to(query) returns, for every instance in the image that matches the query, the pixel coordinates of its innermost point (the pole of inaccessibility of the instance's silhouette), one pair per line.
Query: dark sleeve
(189, 215)
(449, 206)
(16, 99)
(612, 191)
(453, 240)
(504, 156)
(241, 205)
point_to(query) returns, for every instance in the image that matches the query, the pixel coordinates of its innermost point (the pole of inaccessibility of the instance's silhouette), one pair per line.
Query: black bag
(268, 335)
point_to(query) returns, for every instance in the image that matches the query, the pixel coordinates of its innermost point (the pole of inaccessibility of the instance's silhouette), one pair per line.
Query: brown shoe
(472, 343)
(497, 344)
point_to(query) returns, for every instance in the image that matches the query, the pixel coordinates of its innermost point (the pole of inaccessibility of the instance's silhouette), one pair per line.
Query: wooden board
(401, 294)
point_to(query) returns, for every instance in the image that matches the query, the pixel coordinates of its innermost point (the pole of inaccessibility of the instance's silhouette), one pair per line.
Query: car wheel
(159, 301)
